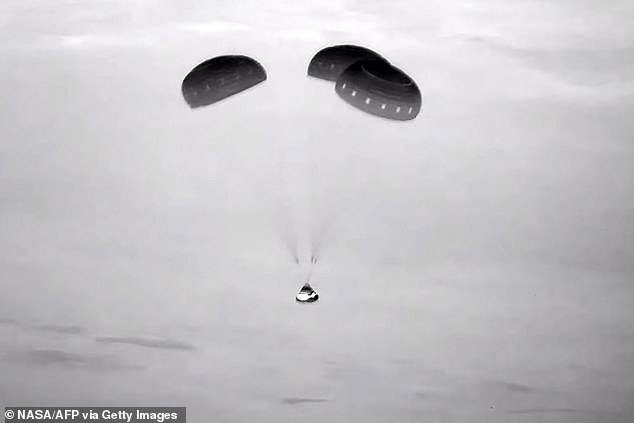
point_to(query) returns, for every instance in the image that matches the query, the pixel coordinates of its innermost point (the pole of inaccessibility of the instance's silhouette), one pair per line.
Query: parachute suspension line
(313, 264)
(291, 246)
(316, 230)
(290, 229)
(319, 233)
(314, 253)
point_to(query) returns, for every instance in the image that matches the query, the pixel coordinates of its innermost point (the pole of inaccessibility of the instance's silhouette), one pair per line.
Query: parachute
(368, 81)
(363, 78)
(380, 89)
(330, 62)
(219, 78)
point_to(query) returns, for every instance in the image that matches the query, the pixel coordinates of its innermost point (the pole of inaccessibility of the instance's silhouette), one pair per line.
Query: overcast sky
(477, 263)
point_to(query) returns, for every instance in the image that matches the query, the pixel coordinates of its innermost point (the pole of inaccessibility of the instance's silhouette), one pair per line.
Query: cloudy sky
(477, 263)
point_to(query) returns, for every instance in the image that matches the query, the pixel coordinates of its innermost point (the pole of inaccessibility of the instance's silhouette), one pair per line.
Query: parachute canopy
(330, 62)
(380, 89)
(368, 81)
(219, 78)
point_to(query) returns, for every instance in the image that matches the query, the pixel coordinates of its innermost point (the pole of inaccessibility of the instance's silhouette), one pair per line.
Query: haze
(478, 262)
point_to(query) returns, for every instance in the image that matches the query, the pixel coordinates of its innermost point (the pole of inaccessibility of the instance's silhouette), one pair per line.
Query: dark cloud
(50, 328)
(600, 415)
(60, 329)
(402, 361)
(60, 358)
(165, 344)
(48, 357)
(298, 400)
(516, 387)
(421, 395)
(544, 410)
